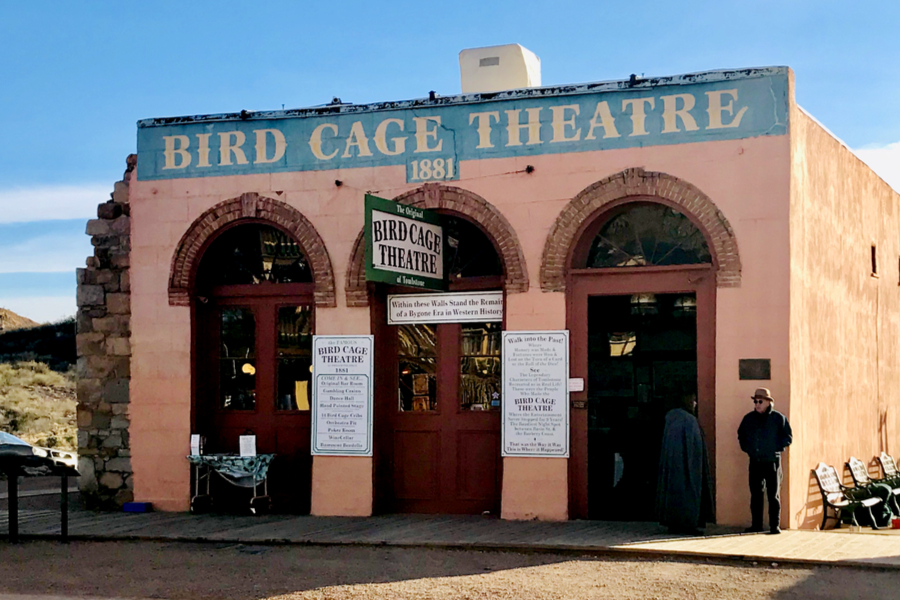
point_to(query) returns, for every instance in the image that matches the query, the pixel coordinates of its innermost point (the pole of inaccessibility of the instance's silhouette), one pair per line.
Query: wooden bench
(841, 499)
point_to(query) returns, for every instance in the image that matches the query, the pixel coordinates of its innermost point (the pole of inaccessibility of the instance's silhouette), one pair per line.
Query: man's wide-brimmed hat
(763, 393)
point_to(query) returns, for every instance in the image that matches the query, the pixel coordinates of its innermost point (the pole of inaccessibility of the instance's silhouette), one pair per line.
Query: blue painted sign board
(431, 138)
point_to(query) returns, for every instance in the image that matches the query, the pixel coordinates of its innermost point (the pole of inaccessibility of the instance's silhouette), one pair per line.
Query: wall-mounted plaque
(535, 393)
(342, 395)
(755, 369)
(452, 307)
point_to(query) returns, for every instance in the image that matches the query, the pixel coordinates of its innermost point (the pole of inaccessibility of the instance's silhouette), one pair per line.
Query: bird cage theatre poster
(487, 303)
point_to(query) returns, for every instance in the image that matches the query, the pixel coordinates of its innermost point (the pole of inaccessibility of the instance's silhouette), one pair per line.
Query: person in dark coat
(684, 491)
(763, 434)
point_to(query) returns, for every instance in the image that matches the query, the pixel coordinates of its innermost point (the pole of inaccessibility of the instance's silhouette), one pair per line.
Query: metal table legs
(12, 482)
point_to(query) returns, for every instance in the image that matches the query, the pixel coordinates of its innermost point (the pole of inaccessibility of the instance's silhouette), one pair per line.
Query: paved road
(200, 571)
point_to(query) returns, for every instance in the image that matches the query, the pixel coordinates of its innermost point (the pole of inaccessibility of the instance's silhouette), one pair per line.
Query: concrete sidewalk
(791, 547)
(446, 531)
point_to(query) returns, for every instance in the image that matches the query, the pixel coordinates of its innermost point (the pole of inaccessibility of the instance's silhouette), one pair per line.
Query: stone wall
(103, 328)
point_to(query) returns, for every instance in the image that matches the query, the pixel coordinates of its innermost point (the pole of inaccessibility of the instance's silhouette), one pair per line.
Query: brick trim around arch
(637, 182)
(250, 206)
(458, 200)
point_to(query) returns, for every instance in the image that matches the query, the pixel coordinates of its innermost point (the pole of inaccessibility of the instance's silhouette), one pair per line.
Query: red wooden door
(438, 428)
(253, 371)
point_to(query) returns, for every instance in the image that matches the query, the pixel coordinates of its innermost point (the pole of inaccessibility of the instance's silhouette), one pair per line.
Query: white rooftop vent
(498, 68)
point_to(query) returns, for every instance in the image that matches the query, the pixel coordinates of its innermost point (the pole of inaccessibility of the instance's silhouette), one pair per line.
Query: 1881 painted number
(431, 169)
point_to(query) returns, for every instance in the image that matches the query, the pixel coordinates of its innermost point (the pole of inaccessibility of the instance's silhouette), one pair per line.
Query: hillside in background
(38, 404)
(37, 381)
(10, 320)
(53, 344)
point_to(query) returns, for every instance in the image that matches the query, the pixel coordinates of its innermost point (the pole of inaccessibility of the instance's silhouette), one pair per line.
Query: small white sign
(247, 445)
(195, 445)
(576, 384)
(535, 393)
(465, 307)
(342, 395)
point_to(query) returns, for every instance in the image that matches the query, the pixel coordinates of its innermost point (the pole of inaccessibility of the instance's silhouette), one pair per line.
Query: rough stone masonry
(103, 341)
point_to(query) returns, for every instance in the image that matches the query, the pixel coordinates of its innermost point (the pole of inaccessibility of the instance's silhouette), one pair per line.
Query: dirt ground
(196, 571)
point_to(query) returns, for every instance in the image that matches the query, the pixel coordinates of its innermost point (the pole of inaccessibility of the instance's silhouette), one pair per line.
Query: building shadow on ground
(830, 583)
(197, 571)
(193, 570)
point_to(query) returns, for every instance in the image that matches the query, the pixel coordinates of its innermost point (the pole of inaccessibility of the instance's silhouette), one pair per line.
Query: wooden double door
(437, 417)
(252, 375)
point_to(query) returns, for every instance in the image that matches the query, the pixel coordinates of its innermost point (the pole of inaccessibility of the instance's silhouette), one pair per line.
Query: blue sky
(75, 77)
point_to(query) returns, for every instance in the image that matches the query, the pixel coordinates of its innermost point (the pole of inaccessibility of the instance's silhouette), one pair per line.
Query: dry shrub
(38, 404)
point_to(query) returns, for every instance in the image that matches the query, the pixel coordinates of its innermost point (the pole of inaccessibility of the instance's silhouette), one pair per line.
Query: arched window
(253, 254)
(645, 234)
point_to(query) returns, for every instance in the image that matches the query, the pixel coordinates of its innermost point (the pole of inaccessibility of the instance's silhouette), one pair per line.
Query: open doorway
(641, 309)
(642, 359)
(253, 321)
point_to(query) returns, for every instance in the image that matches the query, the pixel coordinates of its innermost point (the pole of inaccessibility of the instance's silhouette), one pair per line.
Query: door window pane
(417, 358)
(479, 367)
(294, 358)
(237, 359)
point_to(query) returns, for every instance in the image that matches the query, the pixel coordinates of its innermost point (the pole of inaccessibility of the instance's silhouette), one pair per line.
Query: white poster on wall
(535, 393)
(462, 307)
(342, 395)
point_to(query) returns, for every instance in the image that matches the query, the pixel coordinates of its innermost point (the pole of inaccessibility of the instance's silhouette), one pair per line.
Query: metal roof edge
(635, 83)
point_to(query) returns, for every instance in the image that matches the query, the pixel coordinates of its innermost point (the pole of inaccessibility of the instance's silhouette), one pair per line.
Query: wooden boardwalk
(445, 531)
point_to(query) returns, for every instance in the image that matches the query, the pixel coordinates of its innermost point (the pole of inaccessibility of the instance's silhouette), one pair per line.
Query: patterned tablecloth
(244, 471)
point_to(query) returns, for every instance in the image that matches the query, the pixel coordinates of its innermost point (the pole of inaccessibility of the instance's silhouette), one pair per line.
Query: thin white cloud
(884, 160)
(52, 202)
(43, 309)
(46, 254)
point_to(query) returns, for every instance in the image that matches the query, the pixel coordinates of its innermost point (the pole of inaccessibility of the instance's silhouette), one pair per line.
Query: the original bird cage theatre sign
(488, 302)
(404, 245)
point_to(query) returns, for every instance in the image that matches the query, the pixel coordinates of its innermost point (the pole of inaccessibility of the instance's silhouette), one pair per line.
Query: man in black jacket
(764, 433)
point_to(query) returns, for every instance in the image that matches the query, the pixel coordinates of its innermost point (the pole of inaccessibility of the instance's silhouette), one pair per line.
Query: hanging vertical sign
(404, 245)
(535, 393)
(342, 395)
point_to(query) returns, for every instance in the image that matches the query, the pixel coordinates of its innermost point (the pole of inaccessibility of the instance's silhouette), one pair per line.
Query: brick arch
(636, 182)
(249, 206)
(460, 201)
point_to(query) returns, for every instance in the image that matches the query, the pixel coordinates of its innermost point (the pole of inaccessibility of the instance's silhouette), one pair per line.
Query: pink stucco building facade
(783, 294)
